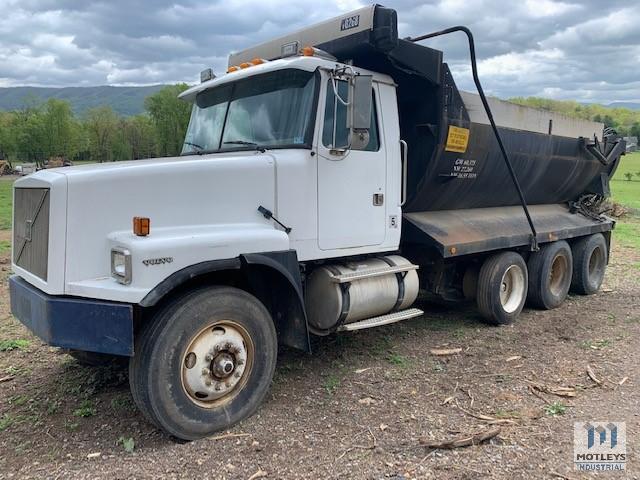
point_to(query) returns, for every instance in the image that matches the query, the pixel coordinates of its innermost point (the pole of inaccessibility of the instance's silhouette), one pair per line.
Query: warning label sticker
(457, 139)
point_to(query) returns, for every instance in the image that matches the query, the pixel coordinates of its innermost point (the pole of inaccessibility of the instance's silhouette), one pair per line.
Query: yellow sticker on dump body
(457, 139)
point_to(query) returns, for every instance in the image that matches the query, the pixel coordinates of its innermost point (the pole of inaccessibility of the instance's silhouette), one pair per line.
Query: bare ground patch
(359, 406)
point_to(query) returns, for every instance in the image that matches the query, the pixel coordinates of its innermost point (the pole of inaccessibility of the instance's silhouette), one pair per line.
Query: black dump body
(551, 169)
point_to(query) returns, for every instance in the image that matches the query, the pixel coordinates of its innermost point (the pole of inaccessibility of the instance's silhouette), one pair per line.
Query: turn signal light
(141, 226)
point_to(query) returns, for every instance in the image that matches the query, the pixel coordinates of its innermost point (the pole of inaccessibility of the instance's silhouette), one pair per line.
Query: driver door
(351, 186)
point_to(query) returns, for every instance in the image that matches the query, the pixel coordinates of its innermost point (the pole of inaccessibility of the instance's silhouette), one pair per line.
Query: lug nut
(207, 383)
(208, 358)
(218, 387)
(237, 374)
(240, 361)
(206, 371)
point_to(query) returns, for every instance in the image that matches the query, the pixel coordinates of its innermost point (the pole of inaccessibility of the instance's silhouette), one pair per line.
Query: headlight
(121, 265)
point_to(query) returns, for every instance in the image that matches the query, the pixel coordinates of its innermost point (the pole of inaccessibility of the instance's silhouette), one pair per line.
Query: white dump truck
(326, 178)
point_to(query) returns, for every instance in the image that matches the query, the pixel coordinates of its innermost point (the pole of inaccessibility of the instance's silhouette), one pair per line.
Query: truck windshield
(270, 110)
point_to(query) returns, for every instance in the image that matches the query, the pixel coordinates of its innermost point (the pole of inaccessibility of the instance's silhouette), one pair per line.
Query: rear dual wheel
(502, 288)
(550, 273)
(204, 362)
(590, 258)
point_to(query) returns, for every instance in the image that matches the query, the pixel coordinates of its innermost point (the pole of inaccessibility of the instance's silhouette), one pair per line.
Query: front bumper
(73, 323)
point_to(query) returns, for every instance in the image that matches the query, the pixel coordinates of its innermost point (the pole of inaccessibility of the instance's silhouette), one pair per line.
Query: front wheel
(206, 362)
(502, 288)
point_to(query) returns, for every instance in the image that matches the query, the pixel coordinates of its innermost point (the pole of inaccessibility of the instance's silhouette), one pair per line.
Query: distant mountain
(629, 105)
(123, 100)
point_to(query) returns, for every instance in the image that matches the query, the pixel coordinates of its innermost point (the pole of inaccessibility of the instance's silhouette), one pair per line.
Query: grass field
(627, 193)
(6, 202)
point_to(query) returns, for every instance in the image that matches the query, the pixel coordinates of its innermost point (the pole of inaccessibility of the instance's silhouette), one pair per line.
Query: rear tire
(590, 260)
(205, 362)
(550, 273)
(502, 288)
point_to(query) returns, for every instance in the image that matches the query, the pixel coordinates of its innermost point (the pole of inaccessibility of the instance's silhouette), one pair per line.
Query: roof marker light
(232, 69)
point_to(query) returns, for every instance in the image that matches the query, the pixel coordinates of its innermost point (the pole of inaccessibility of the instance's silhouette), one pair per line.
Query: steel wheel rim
(512, 288)
(217, 363)
(557, 274)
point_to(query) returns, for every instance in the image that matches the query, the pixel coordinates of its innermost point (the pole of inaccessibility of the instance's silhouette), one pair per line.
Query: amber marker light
(141, 226)
(257, 61)
(245, 65)
(308, 51)
(232, 68)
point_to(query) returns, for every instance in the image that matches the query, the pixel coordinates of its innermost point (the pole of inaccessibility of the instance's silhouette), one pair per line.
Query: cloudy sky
(588, 50)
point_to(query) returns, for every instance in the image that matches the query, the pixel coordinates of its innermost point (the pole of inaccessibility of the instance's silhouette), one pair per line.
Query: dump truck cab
(295, 109)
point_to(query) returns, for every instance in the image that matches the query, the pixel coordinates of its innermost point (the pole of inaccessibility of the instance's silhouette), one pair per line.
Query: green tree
(7, 136)
(60, 129)
(101, 124)
(29, 135)
(170, 117)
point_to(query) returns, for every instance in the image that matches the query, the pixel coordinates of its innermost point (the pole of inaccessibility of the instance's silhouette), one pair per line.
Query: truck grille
(31, 230)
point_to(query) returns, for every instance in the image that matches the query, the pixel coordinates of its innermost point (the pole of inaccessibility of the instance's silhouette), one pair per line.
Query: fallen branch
(464, 441)
(559, 391)
(259, 474)
(8, 378)
(487, 418)
(621, 382)
(230, 435)
(592, 375)
(441, 352)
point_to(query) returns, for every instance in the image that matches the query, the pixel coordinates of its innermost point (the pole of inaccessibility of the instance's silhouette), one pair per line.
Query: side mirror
(360, 103)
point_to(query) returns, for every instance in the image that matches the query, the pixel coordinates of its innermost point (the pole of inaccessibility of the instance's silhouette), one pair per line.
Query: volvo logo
(157, 261)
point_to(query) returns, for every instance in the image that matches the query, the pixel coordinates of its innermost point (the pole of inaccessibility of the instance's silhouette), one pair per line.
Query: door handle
(378, 199)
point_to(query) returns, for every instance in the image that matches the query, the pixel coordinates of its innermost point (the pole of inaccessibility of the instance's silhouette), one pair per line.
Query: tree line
(623, 120)
(40, 132)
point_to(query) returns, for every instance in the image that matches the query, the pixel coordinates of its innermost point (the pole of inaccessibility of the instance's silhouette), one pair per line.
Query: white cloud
(583, 49)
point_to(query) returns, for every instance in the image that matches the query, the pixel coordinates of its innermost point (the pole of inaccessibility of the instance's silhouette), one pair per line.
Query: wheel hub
(223, 365)
(215, 363)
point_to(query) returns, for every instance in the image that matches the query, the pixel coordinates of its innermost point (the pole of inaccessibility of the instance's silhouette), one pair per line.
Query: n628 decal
(350, 22)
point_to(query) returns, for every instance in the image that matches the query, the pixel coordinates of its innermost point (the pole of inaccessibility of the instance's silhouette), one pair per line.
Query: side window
(335, 108)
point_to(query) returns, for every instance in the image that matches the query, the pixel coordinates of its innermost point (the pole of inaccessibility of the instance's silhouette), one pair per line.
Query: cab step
(360, 274)
(381, 320)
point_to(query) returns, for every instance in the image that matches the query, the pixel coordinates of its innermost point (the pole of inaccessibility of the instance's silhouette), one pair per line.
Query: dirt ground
(359, 406)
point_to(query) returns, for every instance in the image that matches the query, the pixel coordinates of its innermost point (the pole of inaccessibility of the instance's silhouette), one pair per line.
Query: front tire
(550, 273)
(502, 288)
(207, 362)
